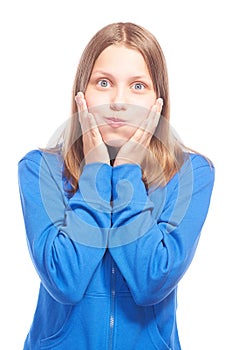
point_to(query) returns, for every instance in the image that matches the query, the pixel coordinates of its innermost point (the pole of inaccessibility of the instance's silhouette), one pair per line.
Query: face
(120, 93)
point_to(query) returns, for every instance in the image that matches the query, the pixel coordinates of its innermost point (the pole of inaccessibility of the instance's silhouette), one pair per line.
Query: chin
(115, 142)
(116, 138)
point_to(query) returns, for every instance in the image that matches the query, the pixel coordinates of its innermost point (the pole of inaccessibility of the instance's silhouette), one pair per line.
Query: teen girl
(113, 214)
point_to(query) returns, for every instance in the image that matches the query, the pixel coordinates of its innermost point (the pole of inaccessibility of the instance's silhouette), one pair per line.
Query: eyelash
(100, 81)
(142, 85)
(107, 81)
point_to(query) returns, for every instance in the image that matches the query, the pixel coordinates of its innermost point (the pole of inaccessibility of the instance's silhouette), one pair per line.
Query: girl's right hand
(94, 148)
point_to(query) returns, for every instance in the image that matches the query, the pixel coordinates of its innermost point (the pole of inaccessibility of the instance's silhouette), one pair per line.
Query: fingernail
(160, 100)
(78, 98)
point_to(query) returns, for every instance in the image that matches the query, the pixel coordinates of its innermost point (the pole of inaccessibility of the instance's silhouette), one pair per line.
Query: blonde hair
(166, 154)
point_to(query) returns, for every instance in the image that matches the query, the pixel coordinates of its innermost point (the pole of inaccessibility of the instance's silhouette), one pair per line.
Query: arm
(66, 238)
(164, 228)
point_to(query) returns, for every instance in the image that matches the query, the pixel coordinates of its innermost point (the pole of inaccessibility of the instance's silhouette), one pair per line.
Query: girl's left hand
(134, 150)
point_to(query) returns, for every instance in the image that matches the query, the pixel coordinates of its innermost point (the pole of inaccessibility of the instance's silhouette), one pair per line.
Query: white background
(41, 42)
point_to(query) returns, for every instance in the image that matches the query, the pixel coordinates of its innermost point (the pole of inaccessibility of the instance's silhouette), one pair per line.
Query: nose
(118, 106)
(118, 100)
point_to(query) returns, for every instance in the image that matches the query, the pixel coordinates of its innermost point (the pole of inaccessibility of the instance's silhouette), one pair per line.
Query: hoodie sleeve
(66, 238)
(154, 237)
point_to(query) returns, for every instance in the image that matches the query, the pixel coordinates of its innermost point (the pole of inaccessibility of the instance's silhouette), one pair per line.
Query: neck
(112, 151)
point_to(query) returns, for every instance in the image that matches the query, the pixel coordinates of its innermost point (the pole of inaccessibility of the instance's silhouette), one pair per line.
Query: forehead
(117, 57)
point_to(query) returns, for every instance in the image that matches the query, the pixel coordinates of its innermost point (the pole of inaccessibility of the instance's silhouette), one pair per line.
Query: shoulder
(39, 155)
(194, 161)
(200, 165)
(199, 160)
(38, 160)
(33, 155)
(197, 168)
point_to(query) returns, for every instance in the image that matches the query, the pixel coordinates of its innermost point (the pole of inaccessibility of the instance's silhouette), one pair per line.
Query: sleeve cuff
(127, 184)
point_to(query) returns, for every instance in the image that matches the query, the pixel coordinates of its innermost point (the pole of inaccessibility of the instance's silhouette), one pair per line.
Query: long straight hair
(166, 154)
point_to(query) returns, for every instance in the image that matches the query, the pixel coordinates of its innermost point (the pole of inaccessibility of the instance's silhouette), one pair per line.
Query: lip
(115, 122)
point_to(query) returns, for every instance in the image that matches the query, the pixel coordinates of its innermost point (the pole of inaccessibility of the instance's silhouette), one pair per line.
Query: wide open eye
(138, 86)
(103, 83)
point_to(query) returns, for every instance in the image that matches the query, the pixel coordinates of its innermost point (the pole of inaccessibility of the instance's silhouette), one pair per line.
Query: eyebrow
(103, 73)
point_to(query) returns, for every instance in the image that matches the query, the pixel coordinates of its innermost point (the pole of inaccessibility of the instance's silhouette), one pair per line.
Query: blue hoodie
(110, 257)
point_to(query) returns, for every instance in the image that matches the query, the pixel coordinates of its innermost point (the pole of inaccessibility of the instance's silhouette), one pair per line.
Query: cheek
(141, 109)
(91, 100)
(94, 100)
(137, 113)
(149, 101)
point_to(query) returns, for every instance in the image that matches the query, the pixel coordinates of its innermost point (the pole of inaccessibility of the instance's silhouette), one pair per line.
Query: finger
(91, 121)
(142, 133)
(159, 105)
(81, 104)
(151, 122)
(80, 101)
(147, 128)
(155, 112)
(90, 127)
(86, 119)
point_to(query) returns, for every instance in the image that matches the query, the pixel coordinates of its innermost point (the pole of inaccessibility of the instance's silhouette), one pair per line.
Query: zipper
(112, 305)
